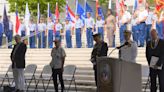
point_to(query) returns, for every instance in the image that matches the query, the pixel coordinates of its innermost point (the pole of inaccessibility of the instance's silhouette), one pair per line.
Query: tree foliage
(151, 2)
(32, 4)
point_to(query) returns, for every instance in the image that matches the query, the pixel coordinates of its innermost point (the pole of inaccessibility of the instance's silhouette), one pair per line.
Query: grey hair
(17, 37)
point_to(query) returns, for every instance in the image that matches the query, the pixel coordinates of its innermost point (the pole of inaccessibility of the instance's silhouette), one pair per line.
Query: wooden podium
(115, 75)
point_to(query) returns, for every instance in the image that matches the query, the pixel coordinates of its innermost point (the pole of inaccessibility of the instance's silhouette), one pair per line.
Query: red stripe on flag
(17, 24)
(71, 12)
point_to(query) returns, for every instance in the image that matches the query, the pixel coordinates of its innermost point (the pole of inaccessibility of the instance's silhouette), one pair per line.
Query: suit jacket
(99, 50)
(158, 52)
(18, 55)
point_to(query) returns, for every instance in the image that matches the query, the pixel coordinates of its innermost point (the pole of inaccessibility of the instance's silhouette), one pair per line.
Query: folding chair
(46, 75)
(8, 76)
(69, 75)
(30, 74)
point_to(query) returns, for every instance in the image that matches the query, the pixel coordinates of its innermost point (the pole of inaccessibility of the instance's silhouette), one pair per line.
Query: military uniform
(89, 23)
(68, 34)
(41, 35)
(100, 27)
(50, 28)
(78, 30)
(32, 35)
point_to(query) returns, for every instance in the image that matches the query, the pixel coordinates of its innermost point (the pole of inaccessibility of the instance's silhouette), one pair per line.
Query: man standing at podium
(129, 51)
(155, 58)
(100, 49)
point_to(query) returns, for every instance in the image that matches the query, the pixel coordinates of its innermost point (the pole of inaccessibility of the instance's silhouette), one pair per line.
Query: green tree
(151, 2)
(32, 4)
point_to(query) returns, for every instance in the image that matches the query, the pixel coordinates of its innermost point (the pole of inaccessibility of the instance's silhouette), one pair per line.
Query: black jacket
(158, 52)
(18, 59)
(99, 50)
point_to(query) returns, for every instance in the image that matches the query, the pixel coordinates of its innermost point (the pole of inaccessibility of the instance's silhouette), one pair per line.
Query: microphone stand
(112, 51)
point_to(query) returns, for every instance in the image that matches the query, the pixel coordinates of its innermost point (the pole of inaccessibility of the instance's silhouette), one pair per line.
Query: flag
(110, 4)
(17, 24)
(70, 14)
(88, 8)
(159, 5)
(99, 10)
(49, 14)
(5, 21)
(57, 11)
(80, 11)
(135, 6)
(27, 19)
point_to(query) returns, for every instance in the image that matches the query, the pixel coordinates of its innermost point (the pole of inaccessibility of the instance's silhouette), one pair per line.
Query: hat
(95, 34)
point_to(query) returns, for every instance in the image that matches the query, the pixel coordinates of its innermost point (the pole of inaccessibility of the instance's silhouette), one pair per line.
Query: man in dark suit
(155, 53)
(18, 63)
(100, 49)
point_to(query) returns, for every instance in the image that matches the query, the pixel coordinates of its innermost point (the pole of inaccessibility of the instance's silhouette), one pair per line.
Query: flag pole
(48, 11)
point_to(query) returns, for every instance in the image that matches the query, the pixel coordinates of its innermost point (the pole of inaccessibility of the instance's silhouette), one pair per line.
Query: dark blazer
(19, 59)
(158, 52)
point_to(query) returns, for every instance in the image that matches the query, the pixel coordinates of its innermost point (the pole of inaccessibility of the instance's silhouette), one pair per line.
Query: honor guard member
(135, 29)
(89, 25)
(100, 26)
(9, 34)
(125, 19)
(78, 30)
(42, 34)
(22, 28)
(58, 29)
(68, 32)
(155, 58)
(1, 31)
(50, 28)
(110, 28)
(32, 27)
(148, 22)
(100, 49)
(142, 16)
(129, 51)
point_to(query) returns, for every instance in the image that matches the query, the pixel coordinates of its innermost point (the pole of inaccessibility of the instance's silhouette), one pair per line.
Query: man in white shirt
(9, 34)
(32, 28)
(128, 52)
(148, 22)
(143, 13)
(50, 29)
(58, 29)
(125, 19)
(135, 28)
(89, 25)
(78, 30)
(22, 28)
(100, 26)
(42, 34)
(68, 32)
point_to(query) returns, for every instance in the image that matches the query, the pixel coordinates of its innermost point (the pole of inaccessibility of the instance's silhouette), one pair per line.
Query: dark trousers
(153, 76)
(95, 73)
(59, 73)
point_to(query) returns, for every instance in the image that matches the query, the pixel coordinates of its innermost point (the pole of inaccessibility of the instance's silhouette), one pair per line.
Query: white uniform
(129, 54)
(100, 23)
(58, 27)
(50, 26)
(149, 18)
(126, 16)
(42, 27)
(68, 26)
(142, 15)
(89, 22)
(79, 23)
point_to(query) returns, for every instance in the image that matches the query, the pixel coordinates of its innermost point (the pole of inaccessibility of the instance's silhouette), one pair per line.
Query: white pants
(19, 79)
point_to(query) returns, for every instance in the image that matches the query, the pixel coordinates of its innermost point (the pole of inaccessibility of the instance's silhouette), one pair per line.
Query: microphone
(126, 43)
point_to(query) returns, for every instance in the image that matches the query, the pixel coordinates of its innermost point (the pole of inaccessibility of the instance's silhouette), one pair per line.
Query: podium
(115, 75)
